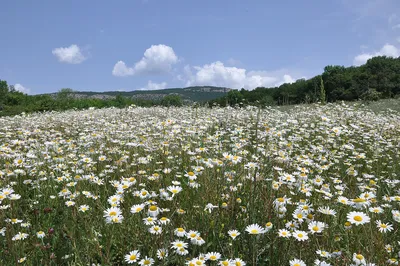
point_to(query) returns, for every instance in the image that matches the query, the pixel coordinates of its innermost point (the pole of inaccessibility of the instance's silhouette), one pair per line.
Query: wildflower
(132, 257)
(238, 262)
(209, 207)
(357, 218)
(174, 190)
(40, 234)
(359, 259)
(137, 208)
(284, 233)
(162, 253)
(233, 233)
(112, 212)
(153, 211)
(297, 262)
(83, 208)
(155, 230)
(146, 261)
(316, 227)
(300, 235)
(213, 256)
(255, 229)
(180, 232)
(20, 236)
(177, 244)
(70, 203)
(384, 227)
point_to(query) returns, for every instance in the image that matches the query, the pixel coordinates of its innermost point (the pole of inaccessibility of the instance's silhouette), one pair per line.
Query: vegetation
(314, 185)
(377, 79)
(14, 102)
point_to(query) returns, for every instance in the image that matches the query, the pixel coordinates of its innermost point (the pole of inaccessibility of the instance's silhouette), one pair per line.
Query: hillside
(379, 78)
(193, 94)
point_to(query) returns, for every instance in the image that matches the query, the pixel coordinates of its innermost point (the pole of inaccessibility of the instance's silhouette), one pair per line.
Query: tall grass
(235, 168)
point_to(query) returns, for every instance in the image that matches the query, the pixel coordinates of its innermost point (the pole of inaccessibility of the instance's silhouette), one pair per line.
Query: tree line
(13, 102)
(379, 78)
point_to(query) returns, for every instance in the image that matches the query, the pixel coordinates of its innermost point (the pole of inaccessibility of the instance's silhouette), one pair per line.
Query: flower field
(314, 185)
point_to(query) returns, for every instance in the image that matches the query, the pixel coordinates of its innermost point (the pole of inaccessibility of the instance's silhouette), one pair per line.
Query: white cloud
(157, 59)
(154, 86)
(398, 39)
(216, 74)
(288, 79)
(19, 87)
(387, 50)
(121, 70)
(70, 55)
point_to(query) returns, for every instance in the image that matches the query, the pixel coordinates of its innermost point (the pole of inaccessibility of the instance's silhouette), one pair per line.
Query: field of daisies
(313, 185)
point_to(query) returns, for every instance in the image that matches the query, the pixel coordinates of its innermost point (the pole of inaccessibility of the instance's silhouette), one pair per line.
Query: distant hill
(192, 94)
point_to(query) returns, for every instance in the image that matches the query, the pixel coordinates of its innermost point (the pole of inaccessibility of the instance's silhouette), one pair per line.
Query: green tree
(172, 100)
(3, 92)
(322, 92)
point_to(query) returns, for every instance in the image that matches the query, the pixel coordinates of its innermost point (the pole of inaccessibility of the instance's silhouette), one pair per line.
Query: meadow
(310, 185)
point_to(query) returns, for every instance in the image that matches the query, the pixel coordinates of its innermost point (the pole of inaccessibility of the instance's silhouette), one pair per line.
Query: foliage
(172, 100)
(379, 78)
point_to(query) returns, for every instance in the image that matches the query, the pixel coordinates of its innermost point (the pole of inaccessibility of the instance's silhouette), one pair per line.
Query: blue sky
(149, 44)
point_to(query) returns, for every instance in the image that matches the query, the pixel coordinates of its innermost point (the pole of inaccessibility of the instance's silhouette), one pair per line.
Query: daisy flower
(284, 233)
(238, 262)
(177, 244)
(162, 253)
(316, 227)
(297, 262)
(146, 261)
(213, 256)
(132, 257)
(357, 218)
(384, 227)
(83, 208)
(300, 235)
(255, 229)
(233, 233)
(40, 234)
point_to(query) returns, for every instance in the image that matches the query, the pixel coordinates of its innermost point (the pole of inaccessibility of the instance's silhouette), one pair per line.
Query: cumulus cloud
(121, 70)
(217, 74)
(387, 50)
(19, 87)
(154, 86)
(71, 55)
(157, 59)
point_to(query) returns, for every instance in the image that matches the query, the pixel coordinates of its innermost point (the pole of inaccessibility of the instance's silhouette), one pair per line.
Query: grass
(96, 184)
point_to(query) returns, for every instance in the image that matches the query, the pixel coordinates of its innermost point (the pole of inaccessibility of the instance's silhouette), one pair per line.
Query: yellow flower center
(315, 228)
(359, 257)
(212, 257)
(147, 262)
(300, 235)
(113, 213)
(358, 200)
(358, 218)
(153, 208)
(132, 257)
(254, 231)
